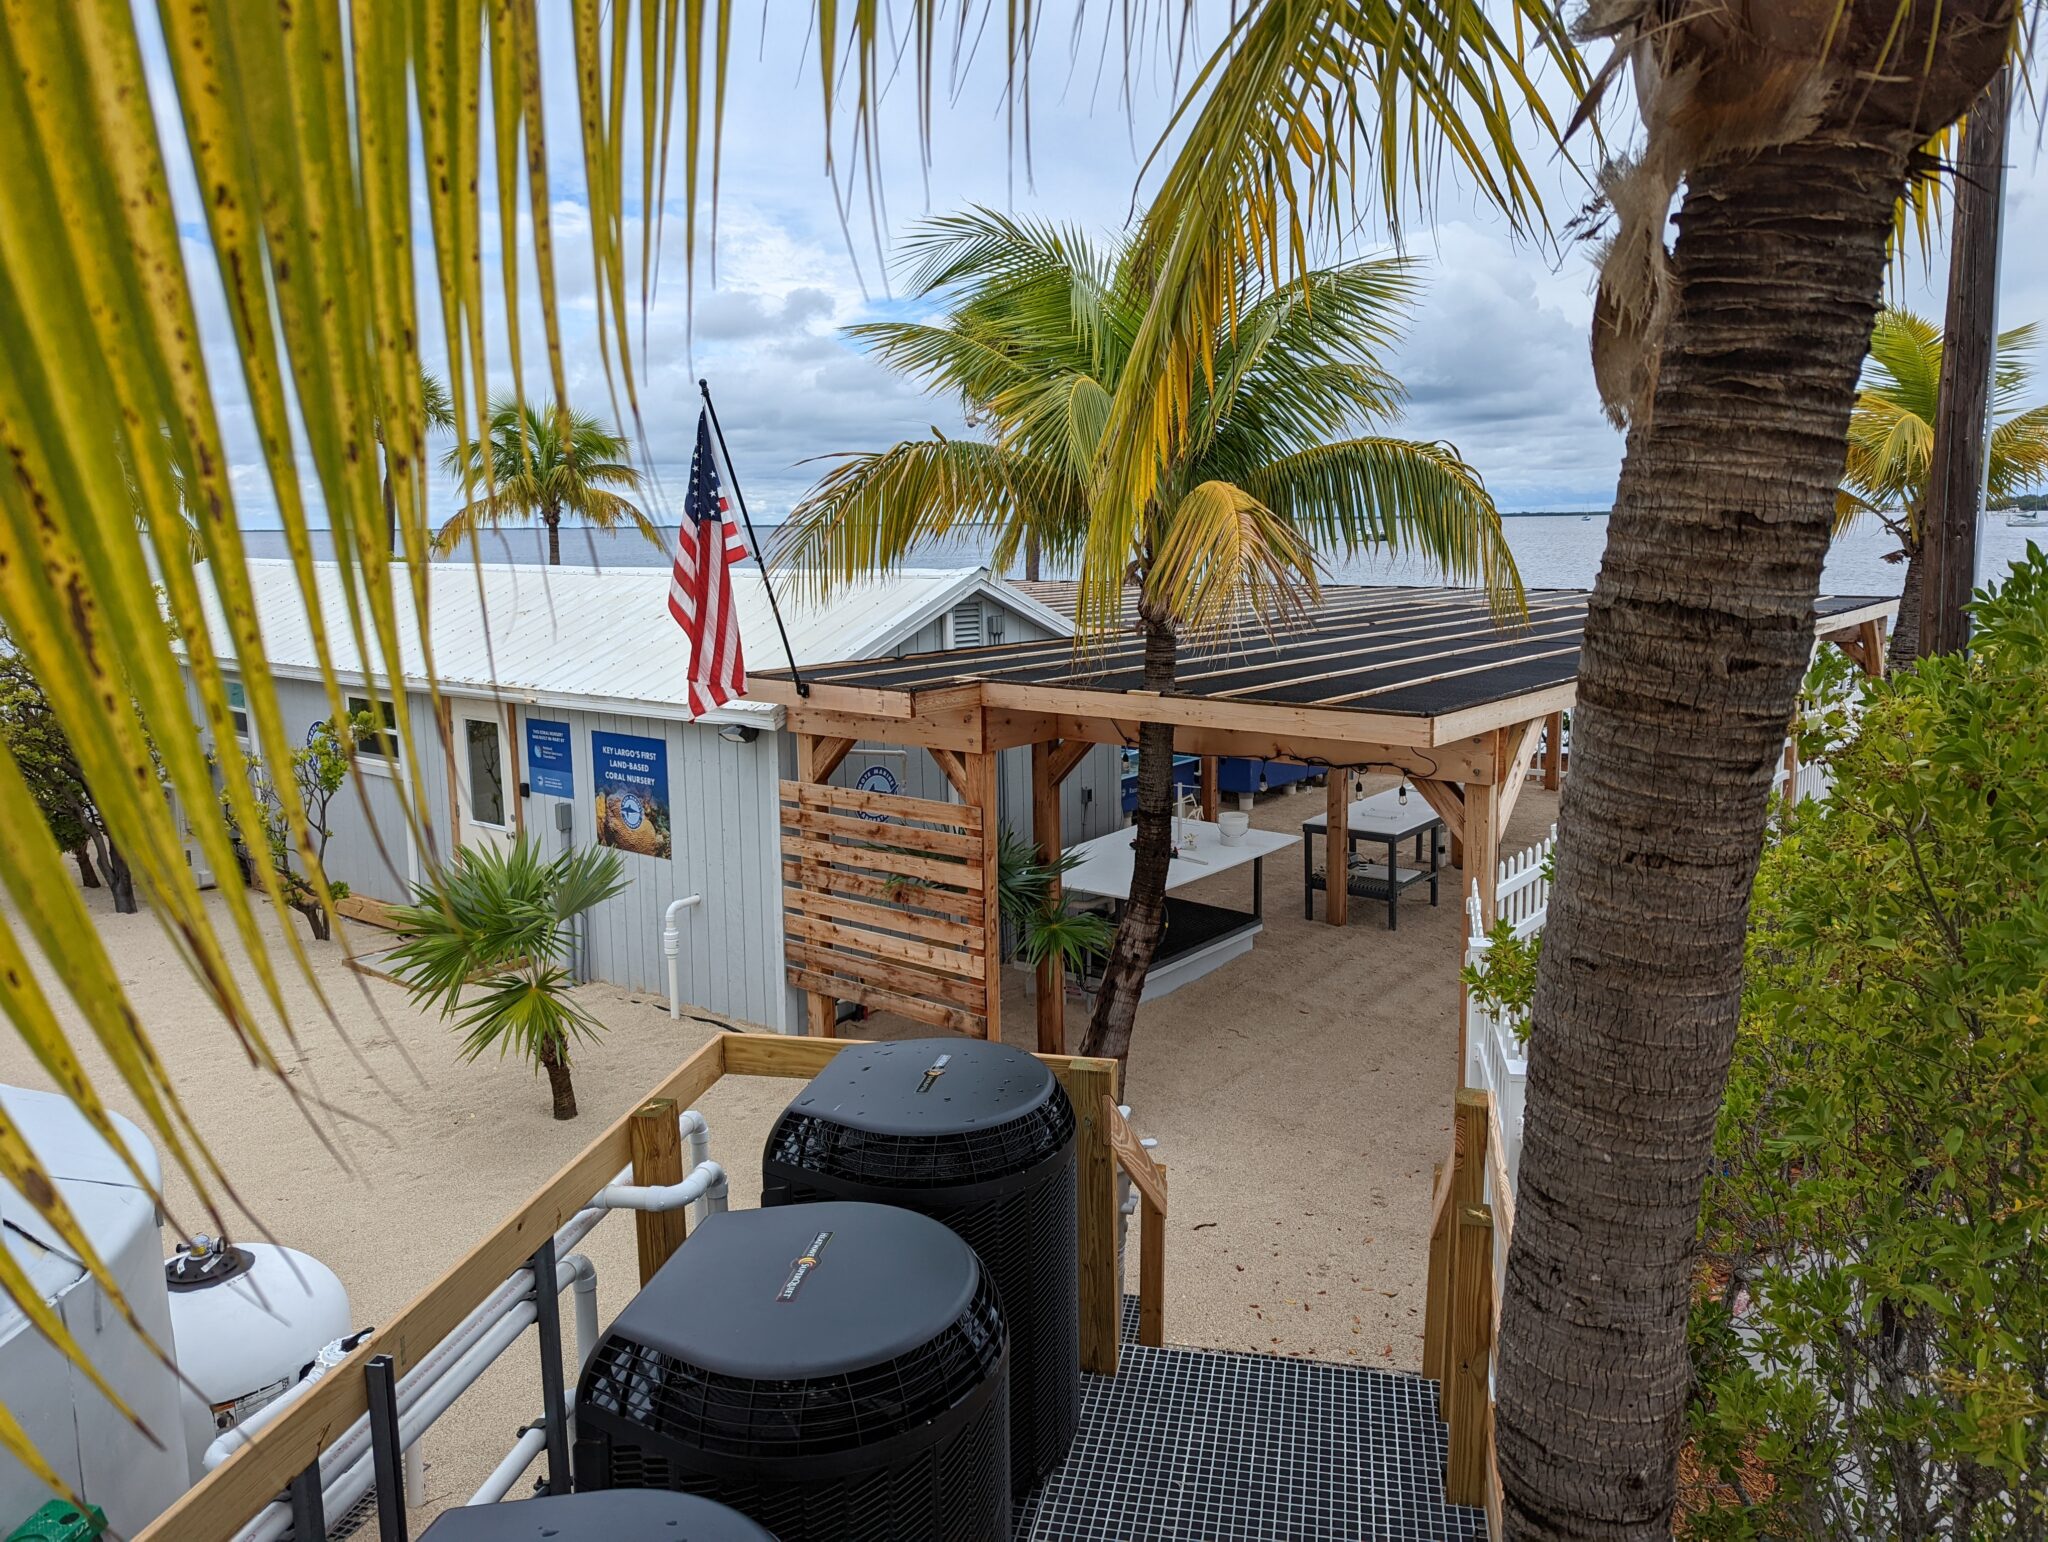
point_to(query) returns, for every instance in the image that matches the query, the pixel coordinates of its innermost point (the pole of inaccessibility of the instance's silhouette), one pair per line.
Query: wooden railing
(1148, 1176)
(886, 903)
(1467, 1239)
(232, 1494)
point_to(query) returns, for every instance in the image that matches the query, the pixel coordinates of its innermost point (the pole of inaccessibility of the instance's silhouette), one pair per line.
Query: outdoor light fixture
(738, 733)
(1404, 794)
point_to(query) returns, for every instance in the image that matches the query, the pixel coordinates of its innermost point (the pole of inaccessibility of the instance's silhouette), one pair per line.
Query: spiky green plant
(488, 941)
(541, 463)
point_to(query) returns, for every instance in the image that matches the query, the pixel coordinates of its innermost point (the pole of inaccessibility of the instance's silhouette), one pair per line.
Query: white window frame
(378, 762)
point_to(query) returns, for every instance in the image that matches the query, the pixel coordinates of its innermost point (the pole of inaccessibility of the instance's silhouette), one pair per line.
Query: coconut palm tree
(1732, 358)
(541, 464)
(435, 413)
(306, 126)
(1891, 441)
(1276, 470)
(488, 938)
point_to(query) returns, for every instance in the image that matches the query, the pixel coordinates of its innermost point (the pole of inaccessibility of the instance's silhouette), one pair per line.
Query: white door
(483, 777)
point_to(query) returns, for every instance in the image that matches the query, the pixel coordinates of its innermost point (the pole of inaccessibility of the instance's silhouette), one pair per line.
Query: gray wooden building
(564, 718)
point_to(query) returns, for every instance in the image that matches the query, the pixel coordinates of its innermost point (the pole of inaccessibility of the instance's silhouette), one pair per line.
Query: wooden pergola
(903, 916)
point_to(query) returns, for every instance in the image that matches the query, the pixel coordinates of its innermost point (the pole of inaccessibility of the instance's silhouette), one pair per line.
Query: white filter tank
(247, 1318)
(77, 1430)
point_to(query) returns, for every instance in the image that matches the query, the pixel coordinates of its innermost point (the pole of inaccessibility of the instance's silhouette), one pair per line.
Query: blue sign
(549, 770)
(877, 779)
(632, 792)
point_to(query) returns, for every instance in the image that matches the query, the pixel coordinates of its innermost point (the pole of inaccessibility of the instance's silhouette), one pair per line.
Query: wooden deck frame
(227, 1498)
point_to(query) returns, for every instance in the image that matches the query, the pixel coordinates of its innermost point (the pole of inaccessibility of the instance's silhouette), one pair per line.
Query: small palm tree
(1891, 441)
(435, 414)
(489, 937)
(541, 464)
(1275, 468)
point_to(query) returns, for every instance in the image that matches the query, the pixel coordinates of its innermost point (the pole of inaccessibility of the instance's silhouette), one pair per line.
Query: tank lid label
(801, 1269)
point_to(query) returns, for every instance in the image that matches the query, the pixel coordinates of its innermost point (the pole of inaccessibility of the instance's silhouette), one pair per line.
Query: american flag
(700, 587)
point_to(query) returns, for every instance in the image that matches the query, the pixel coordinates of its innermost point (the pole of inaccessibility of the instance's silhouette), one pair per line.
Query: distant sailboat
(2025, 517)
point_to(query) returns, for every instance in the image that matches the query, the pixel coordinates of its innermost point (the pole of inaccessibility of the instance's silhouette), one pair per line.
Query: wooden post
(1089, 1083)
(1458, 1188)
(981, 776)
(1212, 773)
(1337, 848)
(1791, 771)
(1152, 1268)
(821, 1012)
(1553, 753)
(1468, 1388)
(657, 1162)
(1482, 846)
(1872, 633)
(1052, 974)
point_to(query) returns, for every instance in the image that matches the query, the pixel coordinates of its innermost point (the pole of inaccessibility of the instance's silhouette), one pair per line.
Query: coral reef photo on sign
(632, 793)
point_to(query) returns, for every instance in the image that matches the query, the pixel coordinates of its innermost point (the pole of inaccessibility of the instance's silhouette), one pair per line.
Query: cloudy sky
(1494, 357)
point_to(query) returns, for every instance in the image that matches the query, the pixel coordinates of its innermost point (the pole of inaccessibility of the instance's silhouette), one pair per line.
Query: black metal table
(1382, 818)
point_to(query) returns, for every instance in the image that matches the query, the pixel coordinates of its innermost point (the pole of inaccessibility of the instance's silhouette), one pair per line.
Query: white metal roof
(580, 636)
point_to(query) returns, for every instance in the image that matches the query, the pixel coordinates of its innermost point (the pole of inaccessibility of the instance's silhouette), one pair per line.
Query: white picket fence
(1495, 1058)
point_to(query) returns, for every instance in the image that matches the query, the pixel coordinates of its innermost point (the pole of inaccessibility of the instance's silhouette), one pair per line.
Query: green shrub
(1871, 1338)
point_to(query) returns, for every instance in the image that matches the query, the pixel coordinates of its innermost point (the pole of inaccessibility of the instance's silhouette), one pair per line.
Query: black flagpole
(802, 689)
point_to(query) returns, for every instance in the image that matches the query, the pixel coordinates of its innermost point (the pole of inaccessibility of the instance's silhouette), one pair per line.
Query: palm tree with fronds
(540, 464)
(437, 414)
(488, 940)
(1891, 441)
(1277, 469)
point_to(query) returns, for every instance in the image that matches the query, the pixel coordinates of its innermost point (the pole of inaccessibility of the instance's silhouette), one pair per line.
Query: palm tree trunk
(1904, 647)
(1697, 637)
(120, 879)
(557, 1067)
(1137, 934)
(553, 519)
(1033, 558)
(87, 877)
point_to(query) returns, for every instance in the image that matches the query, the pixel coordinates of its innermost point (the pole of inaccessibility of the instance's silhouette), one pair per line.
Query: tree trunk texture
(554, 523)
(87, 876)
(1904, 646)
(1697, 638)
(1962, 409)
(1033, 559)
(1137, 934)
(120, 880)
(558, 1079)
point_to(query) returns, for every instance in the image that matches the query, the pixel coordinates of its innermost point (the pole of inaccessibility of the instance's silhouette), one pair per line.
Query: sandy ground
(1300, 1096)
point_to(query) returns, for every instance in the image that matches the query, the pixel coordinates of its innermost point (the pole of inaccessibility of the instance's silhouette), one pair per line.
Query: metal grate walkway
(1190, 1445)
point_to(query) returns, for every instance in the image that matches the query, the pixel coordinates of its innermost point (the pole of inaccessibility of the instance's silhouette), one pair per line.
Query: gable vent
(967, 625)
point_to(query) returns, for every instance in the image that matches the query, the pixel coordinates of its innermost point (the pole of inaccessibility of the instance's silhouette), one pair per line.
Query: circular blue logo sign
(877, 779)
(630, 810)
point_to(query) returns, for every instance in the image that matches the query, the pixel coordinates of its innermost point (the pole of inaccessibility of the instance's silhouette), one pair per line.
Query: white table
(1382, 817)
(1105, 868)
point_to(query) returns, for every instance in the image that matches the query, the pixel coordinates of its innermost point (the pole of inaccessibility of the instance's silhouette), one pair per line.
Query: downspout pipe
(672, 946)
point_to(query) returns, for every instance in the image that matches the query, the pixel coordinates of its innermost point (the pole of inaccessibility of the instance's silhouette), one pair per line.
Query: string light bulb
(1404, 793)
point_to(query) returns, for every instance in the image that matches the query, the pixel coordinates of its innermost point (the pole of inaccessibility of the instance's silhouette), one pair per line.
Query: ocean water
(1553, 551)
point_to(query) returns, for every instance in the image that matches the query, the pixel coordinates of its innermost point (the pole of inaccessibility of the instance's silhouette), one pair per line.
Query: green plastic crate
(61, 1521)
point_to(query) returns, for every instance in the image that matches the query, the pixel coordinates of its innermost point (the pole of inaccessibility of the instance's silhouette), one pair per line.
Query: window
(238, 709)
(383, 743)
(486, 771)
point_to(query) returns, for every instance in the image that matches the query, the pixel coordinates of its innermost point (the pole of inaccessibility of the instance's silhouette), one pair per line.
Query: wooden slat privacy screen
(884, 903)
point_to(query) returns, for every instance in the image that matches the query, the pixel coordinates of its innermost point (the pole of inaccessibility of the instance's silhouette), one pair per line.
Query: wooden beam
(1467, 1386)
(1515, 771)
(1212, 773)
(959, 729)
(1449, 804)
(827, 754)
(981, 777)
(657, 1163)
(1337, 849)
(1482, 849)
(512, 753)
(1458, 1187)
(1553, 752)
(1873, 647)
(955, 769)
(1067, 757)
(1152, 1268)
(1466, 760)
(1095, 1203)
(1284, 722)
(1469, 721)
(1045, 827)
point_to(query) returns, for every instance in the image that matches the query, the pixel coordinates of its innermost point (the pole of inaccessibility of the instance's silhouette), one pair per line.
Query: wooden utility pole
(1969, 346)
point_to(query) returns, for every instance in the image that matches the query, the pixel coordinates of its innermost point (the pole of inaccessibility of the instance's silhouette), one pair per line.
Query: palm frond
(1225, 557)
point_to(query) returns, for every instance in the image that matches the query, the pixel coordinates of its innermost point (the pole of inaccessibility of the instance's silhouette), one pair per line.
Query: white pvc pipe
(347, 1470)
(516, 1461)
(672, 945)
(705, 1181)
